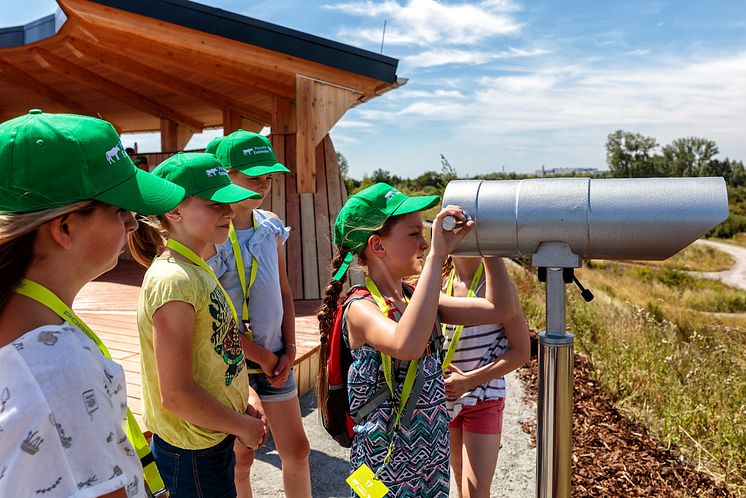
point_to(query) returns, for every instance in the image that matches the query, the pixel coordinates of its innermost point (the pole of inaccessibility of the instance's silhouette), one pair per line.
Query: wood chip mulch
(612, 455)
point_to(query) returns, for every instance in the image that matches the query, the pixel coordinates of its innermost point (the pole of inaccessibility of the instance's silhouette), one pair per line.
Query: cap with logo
(366, 211)
(201, 174)
(250, 153)
(212, 146)
(53, 160)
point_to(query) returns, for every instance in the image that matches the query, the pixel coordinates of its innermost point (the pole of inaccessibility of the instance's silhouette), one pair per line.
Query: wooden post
(318, 107)
(231, 121)
(174, 137)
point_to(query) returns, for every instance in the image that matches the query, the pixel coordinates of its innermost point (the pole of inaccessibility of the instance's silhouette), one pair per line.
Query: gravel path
(735, 276)
(514, 476)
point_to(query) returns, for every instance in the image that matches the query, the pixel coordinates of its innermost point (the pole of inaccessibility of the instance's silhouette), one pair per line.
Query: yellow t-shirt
(217, 357)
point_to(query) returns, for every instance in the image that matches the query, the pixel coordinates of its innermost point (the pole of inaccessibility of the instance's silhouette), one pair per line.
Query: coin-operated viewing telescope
(557, 222)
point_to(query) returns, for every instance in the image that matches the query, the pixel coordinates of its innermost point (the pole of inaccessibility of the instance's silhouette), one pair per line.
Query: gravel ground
(514, 476)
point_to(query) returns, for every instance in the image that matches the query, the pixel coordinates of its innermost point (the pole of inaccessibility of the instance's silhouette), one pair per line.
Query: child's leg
(456, 458)
(292, 444)
(244, 460)
(480, 446)
(479, 455)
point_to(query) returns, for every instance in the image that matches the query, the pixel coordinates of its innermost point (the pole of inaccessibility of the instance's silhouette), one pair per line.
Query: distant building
(567, 171)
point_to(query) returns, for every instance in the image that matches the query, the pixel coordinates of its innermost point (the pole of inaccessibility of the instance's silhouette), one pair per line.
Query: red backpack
(338, 422)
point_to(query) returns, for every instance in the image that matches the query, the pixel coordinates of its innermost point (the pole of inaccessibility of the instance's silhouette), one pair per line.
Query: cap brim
(263, 169)
(144, 193)
(414, 204)
(227, 194)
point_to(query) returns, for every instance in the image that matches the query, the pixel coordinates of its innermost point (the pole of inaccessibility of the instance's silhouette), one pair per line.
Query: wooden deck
(109, 306)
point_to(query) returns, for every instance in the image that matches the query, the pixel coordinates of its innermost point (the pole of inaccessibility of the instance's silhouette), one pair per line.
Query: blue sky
(510, 84)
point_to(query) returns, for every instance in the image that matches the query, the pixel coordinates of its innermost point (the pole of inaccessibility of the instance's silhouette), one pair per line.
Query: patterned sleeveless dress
(419, 462)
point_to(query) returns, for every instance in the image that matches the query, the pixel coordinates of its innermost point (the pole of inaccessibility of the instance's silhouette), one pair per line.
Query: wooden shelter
(179, 67)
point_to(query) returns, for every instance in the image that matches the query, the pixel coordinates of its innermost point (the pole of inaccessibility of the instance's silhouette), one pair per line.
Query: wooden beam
(213, 67)
(159, 33)
(114, 90)
(318, 107)
(24, 80)
(174, 137)
(162, 79)
(283, 116)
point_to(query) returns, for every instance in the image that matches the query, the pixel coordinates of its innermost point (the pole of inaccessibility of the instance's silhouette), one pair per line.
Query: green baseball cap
(366, 211)
(213, 145)
(53, 160)
(201, 174)
(250, 153)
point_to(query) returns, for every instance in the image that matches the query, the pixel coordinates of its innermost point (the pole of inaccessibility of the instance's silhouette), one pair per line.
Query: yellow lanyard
(180, 248)
(459, 328)
(47, 298)
(245, 290)
(386, 359)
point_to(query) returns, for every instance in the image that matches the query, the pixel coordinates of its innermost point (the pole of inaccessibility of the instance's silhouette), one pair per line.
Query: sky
(514, 85)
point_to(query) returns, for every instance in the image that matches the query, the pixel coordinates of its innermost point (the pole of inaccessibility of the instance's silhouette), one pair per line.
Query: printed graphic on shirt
(4, 397)
(66, 441)
(48, 338)
(225, 339)
(32, 443)
(133, 487)
(53, 485)
(91, 404)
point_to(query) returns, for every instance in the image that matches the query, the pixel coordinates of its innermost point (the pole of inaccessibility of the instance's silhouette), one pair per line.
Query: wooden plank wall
(309, 250)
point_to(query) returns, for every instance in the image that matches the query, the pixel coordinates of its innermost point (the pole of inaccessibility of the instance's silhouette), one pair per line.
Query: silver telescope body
(633, 218)
(557, 222)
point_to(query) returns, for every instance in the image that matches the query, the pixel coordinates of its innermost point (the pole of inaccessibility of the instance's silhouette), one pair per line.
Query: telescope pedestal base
(554, 427)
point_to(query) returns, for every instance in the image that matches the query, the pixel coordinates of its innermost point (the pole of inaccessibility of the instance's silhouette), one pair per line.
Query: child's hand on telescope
(443, 241)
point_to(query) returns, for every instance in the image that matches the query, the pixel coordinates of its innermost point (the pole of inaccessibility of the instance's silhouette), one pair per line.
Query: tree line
(628, 155)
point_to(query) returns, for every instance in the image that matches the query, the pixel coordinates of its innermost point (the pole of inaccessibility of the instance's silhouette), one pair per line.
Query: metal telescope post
(554, 412)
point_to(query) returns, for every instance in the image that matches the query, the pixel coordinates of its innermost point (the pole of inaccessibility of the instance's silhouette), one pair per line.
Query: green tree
(344, 166)
(631, 155)
(687, 156)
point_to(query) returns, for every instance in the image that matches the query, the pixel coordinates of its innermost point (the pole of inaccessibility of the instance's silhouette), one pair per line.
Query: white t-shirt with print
(62, 404)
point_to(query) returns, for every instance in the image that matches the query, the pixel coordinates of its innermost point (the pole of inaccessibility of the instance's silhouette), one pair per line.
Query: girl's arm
(516, 331)
(173, 328)
(498, 306)
(406, 339)
(285, 364)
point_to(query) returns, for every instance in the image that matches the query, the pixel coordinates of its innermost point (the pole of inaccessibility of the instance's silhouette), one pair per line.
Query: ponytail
(326, 316)
(148, 240)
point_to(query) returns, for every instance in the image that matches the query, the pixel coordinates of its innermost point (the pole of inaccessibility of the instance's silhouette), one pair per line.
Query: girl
(258, 285)
(477, 359)
(66, 191)
(194, 390)
(405, 443)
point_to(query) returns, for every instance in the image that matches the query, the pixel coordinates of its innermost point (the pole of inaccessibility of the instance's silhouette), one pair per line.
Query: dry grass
(681, 372)
(697, 257)
(739, 239)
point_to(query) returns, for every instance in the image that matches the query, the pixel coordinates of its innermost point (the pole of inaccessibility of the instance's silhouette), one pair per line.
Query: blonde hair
(17, 236)
(149, 240)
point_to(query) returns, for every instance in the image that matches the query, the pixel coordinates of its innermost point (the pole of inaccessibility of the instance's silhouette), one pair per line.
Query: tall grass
(679, 371)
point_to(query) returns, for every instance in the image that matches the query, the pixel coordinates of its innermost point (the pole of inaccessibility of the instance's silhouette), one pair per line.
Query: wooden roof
(136, 62)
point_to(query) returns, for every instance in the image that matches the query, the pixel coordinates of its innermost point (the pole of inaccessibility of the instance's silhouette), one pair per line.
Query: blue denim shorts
(205, 473)
(266, 392)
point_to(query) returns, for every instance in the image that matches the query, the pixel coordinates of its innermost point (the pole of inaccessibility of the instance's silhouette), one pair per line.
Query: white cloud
(443, 56)
(427, 22)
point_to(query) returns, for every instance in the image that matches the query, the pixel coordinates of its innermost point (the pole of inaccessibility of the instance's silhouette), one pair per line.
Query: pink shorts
(486, 417)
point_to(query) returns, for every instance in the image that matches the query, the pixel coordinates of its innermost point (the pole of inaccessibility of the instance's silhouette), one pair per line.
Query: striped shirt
(478, 346)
